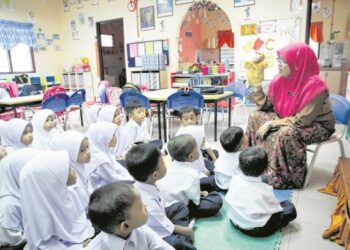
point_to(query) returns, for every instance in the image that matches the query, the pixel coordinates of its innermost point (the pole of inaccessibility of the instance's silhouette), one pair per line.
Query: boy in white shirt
(117, 210)
(254, 209)
(182, 183)
(145, 163)
(232, 140)
(136, 128)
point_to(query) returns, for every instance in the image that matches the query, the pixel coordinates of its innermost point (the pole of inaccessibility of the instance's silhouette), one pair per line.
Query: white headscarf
(2, 130)
(49, 206)
(71, 141)
(42, 138)
(10, 168)
(93, 113)
(11, 138)
(100, 134)
(106, 113)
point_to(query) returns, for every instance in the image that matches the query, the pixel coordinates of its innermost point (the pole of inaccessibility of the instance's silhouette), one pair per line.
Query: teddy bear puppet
(255, 70)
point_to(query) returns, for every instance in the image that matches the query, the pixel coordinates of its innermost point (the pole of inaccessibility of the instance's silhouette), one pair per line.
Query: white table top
(24, 99)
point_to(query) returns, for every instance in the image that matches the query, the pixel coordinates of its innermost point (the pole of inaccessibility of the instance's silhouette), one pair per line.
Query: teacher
(294, 113)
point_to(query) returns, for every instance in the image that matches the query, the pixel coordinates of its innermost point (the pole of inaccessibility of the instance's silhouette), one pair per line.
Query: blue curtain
(12, 33)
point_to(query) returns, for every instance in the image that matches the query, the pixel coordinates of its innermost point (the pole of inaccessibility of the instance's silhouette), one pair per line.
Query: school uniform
(103, 168)
(226, 166)
(182, 184)
(41, 137)
(123, 144)
(11, 138)
(142, 238)
(93, 113)
(158, 219)
(2, 130)
(70, 141)
(53, 217)
(11, 227)
(253, 207)
(207, 183)
(139, 133)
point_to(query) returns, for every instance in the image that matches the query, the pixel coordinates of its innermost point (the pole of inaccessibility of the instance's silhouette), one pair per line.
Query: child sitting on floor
(45, 128)
(136, 128)
(182, 183)
(117, 210)
(254, 209)
(18, 133)
(145, 163)
(232, 141)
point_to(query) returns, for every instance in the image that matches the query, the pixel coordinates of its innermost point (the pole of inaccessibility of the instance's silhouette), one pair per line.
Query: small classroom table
(21, 101)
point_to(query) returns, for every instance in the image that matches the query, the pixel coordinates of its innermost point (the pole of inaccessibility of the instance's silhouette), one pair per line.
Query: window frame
(11, 67)
(113, 39)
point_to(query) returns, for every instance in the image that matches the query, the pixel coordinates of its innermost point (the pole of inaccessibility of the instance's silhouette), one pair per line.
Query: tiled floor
(314, 208)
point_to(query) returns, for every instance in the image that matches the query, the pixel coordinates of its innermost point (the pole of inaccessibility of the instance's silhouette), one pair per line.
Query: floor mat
(217, 233)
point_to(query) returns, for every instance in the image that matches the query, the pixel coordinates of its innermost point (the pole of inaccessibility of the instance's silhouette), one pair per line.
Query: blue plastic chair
(58, 104)
(181, 99)
(129, 95)
(341, 112)
(77, 99)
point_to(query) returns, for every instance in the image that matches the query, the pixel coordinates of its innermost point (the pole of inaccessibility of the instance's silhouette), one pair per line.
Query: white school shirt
(157, 219)
(197, 132)
(70, 141)
(142, 238)
(136, 132)
(41, 137)
(53, 217)
(251, 202)
(226, 166)
(11, 227)
(103, 168)
(180, 184)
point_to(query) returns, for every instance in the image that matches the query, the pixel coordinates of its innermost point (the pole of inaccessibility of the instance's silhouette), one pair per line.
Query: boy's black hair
(109, 205)
(132, 105)
(231, 139)
(253, 161)
(181, 146)
(187, 109)
(142, 160)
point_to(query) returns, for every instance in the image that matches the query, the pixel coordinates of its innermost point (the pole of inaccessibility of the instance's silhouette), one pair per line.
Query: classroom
(174, 124)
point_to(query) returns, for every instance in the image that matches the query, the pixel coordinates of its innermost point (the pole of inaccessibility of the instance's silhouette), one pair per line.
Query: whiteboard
(267, 37)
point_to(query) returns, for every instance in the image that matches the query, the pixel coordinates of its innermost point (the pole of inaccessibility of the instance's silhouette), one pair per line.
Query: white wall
(51, 16)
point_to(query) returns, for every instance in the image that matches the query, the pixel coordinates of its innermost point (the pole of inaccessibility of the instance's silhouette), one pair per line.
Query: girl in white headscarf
(93, 112)
(11, 227)
(77, 146)
(53, 217)
(45, 128)
(111, 114)
(103, 167)
(18, 134)
(3, 151)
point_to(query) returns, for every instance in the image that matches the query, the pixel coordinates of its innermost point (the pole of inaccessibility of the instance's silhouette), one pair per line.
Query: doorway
(110, 35)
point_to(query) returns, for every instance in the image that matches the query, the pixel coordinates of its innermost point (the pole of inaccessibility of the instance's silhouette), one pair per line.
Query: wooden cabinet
(75, 81)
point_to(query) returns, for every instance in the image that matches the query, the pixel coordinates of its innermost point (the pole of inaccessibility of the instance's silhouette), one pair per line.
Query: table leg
(15, 112)
(229, 111)
(164, 123)
(81, 116)
(159, 122)
(215, 120)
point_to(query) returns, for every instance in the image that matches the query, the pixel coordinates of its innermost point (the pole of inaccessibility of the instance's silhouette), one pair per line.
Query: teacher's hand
(262, 131)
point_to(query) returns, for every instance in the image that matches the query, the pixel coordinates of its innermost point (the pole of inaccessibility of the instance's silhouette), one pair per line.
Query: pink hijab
(292, 94)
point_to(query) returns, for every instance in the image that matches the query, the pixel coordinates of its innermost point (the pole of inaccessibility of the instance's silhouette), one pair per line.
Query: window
(315, 46)
(17, 60)
(107, 40)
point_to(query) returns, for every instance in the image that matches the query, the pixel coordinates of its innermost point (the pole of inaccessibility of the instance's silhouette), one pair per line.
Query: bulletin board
(267, 37)
(138, 49)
